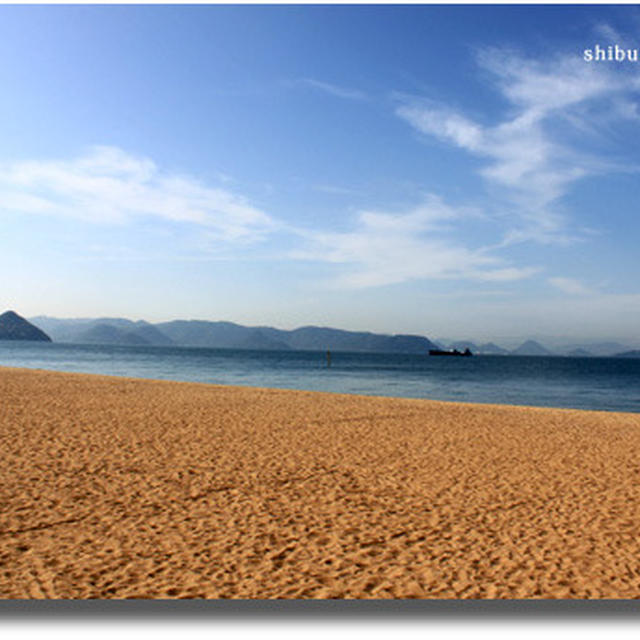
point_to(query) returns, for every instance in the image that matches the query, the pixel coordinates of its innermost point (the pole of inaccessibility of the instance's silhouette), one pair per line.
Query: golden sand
(121, 488)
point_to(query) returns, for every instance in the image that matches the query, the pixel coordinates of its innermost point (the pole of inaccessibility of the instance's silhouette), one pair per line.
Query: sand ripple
(122, 488)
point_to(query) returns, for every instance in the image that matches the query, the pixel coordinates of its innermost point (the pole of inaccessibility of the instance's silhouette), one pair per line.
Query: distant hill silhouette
(151, 334)
(229, 335)
(15, 327)
(320, 338)
(635, 353)
(108, 334)
(531, 348)
(202, 333)
(199, 333)
(259, 339)
(69, 329)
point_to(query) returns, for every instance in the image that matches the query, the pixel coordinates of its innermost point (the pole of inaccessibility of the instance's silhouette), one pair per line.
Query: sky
(458, 171)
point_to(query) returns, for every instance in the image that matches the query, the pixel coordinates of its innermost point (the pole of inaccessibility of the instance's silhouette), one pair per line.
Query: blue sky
(452, 171)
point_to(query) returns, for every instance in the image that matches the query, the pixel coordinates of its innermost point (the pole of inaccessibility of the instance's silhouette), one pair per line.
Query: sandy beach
(124, 488)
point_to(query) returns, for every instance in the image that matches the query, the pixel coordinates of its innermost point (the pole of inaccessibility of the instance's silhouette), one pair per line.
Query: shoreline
(312, 391)
(117, 487)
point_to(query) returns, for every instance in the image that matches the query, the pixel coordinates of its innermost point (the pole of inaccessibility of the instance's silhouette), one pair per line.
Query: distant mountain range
(534, 348)
(202, 333)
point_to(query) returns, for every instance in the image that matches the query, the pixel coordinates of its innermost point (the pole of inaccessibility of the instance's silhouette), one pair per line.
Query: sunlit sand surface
(123, 488)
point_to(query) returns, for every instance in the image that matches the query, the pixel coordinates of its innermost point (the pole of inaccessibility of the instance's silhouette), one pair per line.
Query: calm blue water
(609, 384)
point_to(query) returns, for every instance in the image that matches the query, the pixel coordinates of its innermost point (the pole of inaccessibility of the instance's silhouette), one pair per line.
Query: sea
(602, 384)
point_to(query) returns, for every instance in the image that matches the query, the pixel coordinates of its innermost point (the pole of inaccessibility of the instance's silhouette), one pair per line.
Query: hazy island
(230, 335)
(15, 327)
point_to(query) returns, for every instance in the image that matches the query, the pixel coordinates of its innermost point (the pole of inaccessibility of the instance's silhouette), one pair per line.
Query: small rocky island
(15, 327)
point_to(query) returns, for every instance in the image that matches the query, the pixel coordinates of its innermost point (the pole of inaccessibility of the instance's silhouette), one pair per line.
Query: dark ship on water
(439, 352)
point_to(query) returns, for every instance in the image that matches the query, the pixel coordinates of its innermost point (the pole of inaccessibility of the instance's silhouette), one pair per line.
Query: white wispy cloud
(110, 186)
(334, 90)
(336, 190)
(527, 161)
(611, 36)
(571, 286)
(533, 157)
(388, 248)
